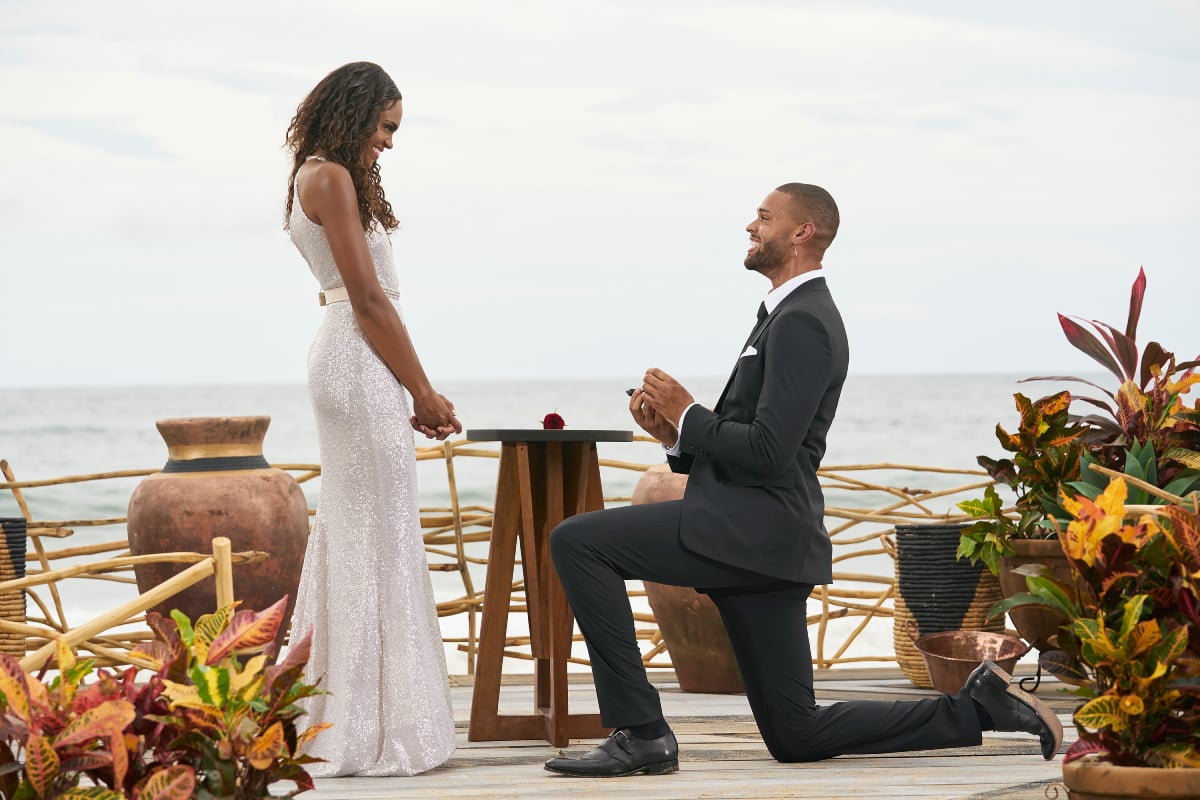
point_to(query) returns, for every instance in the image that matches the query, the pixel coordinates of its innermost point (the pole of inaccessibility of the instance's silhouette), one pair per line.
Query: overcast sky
(573, 180)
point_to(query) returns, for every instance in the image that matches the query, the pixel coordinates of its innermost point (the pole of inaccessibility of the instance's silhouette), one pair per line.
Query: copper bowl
(951, 656)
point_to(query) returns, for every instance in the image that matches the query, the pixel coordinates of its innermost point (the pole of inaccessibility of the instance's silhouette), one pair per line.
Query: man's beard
(767, 256)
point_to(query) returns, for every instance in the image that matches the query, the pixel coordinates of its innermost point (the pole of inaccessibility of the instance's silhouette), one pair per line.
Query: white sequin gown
(365, 588)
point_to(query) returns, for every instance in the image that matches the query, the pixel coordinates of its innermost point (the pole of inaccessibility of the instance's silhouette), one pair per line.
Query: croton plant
(1133, 602)
(208, 717)
(1052, 445)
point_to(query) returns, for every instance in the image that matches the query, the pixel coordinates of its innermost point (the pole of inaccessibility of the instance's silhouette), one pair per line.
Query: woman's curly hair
(336, 119)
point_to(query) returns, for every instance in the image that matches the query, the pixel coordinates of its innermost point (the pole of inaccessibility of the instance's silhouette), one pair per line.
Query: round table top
(543, 435)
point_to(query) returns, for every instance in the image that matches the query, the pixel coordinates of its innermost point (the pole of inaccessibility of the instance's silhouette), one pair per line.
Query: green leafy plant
(213, 718)
(60, 742)
(1133, 602)
(239, 717)
(1147, 407)
(146, 755)
(1140, 469)
(1046, 447)
(1053, 446)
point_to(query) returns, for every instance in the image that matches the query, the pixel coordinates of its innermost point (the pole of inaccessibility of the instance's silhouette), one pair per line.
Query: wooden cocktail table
(544, 477)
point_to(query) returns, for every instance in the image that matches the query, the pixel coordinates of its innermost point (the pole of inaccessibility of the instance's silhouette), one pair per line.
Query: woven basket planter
(936, 592)
(12, 566)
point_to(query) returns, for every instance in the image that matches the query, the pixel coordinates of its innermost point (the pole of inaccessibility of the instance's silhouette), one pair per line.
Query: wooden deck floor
(722, 756)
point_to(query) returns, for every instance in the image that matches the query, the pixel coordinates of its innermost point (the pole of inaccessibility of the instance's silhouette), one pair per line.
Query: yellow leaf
(310, 733)
(1184, 384)
(1145, 635)
(1070, 504)
(1142, 532)
(204, 718)
(1094, 521)
(16, 695)
(89, 793)
(41, 764)
(266, 748)
(175, 782)
(38, 694)
(66, 660)
(208, 628)
(105, 720)
(1101, 712)
(64, 654)
(1112, 500)
(181, 694)
(120, 757)
(213, 685)
(1101, 642)
(1132, 705)
(1144, 684)
(245, 684)
(1180, 755)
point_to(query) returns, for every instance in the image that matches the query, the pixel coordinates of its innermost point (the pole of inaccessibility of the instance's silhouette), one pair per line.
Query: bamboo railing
(864, 503)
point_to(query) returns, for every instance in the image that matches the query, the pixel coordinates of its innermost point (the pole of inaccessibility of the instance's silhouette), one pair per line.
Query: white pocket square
(750, 351)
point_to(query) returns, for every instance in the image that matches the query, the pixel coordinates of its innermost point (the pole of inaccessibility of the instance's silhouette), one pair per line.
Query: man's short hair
(816, 205)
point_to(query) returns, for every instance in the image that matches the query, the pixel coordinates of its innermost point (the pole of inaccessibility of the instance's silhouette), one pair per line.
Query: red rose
(553, 422)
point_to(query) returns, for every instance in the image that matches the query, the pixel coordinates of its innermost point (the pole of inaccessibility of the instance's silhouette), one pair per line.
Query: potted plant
(1053, 446)
(1133, 601)
(1046, 448)
(212, 719)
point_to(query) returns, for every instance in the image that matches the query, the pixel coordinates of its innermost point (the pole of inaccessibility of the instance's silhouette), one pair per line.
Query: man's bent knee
(568, 540)
(790, 744)
(790, 754)
(564, 537)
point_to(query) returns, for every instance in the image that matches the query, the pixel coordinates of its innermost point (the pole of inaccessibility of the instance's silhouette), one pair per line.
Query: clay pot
(217, 483)
(689, 621)
(1090, 779)
(1036, 624)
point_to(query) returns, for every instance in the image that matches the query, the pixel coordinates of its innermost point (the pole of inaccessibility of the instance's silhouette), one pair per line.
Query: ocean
(934, 420)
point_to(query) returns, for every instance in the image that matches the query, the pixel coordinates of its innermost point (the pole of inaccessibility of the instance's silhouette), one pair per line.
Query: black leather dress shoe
(1013, 709)
(622, 754)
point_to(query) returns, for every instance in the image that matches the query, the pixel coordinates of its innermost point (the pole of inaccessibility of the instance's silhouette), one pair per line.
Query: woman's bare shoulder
(321, 175)
(323, 185)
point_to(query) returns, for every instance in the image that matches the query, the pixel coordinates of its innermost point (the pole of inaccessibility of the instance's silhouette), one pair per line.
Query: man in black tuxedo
(749, 531)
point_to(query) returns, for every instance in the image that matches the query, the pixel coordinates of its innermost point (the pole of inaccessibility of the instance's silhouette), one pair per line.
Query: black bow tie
(762, 311)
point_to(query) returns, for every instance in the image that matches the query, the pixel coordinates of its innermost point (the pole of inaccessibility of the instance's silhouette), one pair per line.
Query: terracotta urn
(217, 483)
(689, 621)
(1036, 624)
(1090, 779)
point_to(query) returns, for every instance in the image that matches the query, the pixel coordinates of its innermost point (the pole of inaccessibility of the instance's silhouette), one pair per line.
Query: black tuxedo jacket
(752, 499)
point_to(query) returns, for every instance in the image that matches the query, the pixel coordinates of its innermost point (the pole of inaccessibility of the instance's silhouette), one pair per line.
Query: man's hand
(650, 421)
(665, 395)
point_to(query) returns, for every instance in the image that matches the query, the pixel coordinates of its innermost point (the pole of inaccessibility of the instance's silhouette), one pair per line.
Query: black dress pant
(595, 553)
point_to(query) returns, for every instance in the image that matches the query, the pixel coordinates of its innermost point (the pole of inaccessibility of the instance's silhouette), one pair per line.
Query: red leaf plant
(190, 720)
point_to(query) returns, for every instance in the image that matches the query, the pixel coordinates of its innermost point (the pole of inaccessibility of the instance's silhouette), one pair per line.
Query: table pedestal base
(539, 485)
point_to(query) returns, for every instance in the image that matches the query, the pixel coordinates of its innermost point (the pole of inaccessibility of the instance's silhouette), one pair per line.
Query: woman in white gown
(365, 588)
